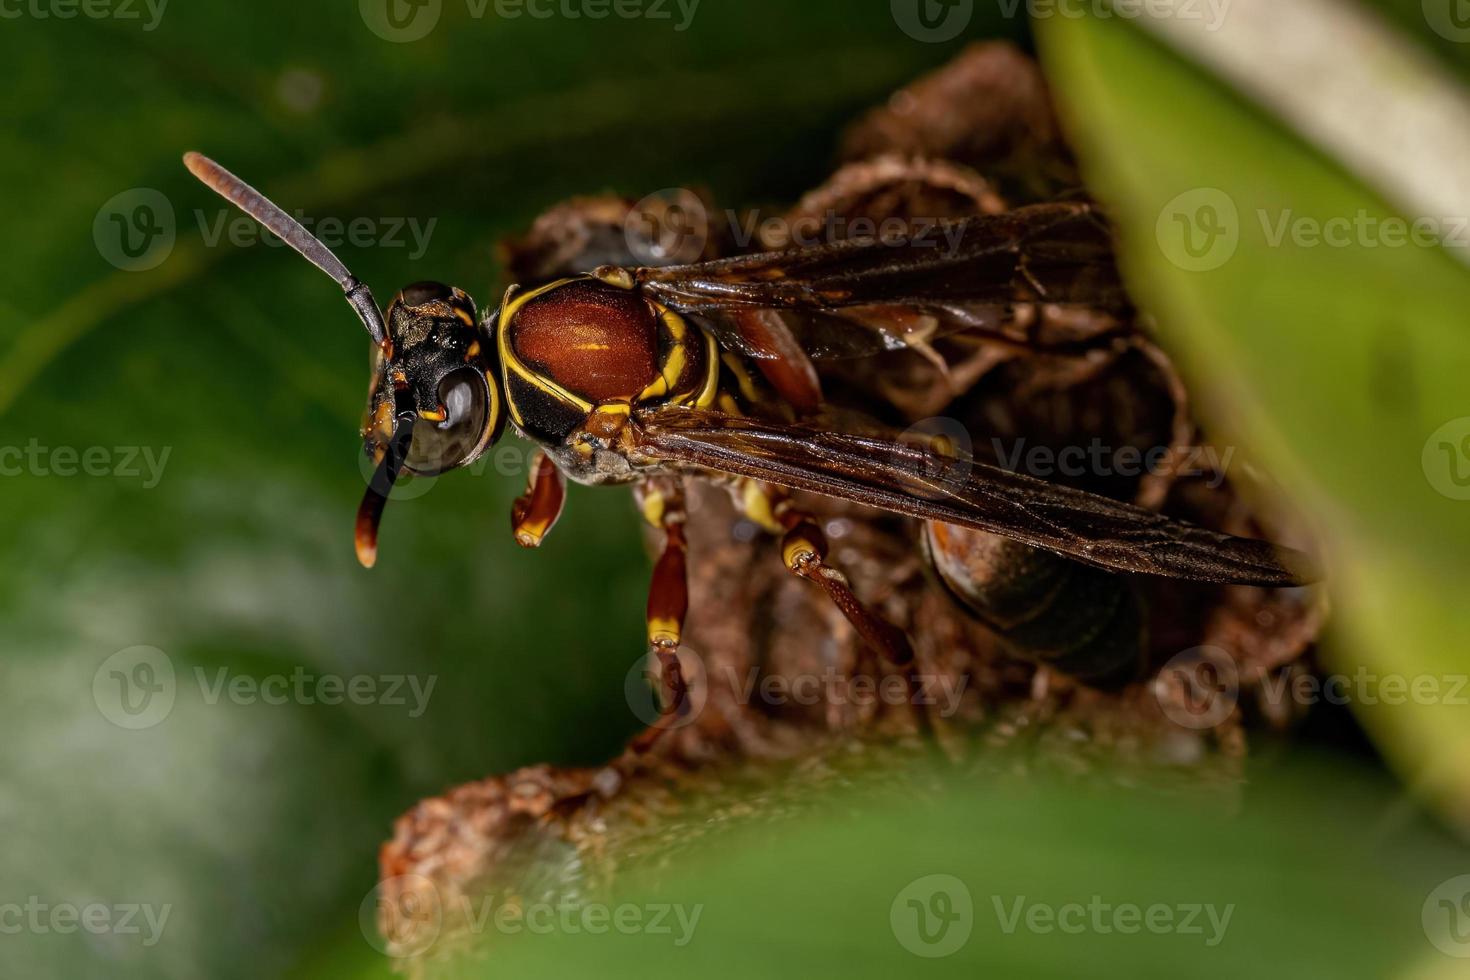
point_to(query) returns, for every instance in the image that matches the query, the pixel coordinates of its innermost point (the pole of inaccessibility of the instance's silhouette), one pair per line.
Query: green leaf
(1341, 368)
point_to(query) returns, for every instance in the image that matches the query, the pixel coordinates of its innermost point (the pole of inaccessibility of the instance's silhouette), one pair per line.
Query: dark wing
(913, 480)
(852, 298)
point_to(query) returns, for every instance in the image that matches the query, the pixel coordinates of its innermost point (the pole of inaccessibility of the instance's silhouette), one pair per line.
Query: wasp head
(436, 376)
(435, 402)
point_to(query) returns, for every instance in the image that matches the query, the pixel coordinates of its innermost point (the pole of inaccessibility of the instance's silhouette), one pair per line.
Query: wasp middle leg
(661, 502)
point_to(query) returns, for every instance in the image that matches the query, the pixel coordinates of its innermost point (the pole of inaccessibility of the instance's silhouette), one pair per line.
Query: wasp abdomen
(1048, 609)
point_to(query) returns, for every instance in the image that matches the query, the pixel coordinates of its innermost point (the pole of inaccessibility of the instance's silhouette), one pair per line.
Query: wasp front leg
(536, 511)
(661, 502)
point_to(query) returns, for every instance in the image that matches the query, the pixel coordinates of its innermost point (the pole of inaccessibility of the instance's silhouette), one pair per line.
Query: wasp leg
(804, 552)
(536, 511)
(789, 371)
(661, 501)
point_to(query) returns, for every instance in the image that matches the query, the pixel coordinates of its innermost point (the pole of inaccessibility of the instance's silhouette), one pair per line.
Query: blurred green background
(257, 824)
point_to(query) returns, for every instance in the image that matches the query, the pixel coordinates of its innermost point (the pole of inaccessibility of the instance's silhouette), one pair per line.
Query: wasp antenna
(290, 231)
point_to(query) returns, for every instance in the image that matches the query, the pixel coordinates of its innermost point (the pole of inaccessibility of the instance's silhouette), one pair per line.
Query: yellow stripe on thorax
(508, 309)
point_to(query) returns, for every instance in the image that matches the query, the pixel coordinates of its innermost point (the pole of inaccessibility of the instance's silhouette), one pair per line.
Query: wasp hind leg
(661, 501)
(804, 552)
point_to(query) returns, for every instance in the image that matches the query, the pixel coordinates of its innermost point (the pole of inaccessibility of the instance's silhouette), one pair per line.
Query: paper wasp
(646, 376)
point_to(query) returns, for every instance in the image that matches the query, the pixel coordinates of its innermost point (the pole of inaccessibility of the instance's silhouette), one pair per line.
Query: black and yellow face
(437, 377)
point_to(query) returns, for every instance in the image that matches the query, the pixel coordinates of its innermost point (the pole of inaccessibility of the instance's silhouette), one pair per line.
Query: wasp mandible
(647, 376)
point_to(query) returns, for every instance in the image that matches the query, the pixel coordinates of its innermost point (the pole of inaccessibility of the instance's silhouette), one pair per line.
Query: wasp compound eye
(442, 443)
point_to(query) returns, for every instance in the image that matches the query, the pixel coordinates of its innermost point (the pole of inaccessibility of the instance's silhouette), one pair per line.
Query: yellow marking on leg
(664, 632)
(743, 379)
(755, 503)
(706, 397)
(653, 508)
